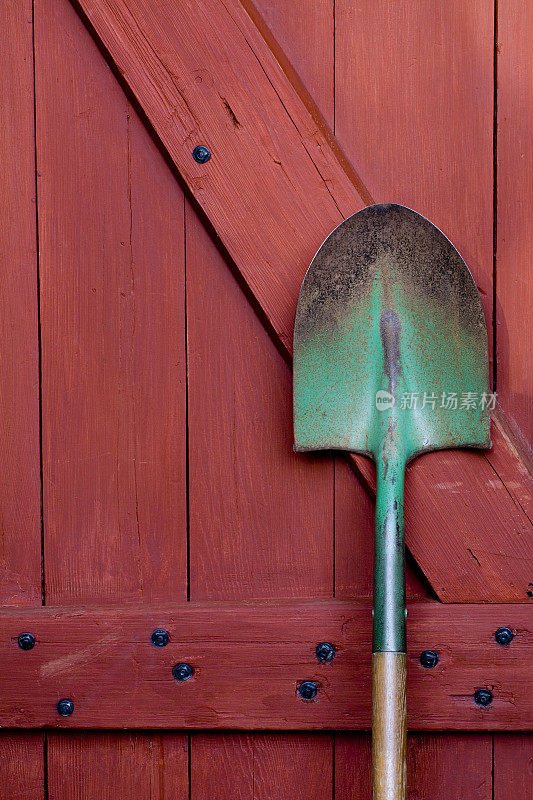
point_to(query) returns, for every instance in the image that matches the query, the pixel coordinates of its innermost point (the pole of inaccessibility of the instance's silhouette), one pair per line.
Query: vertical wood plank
(439, 766)
(114, 379)
(513, 766)
(117, 766)
(261, 766)
(305, 32)
(514, 281)
(21, 754)
(21, 765)
(20, 489)
(261, 517)
(113, 342)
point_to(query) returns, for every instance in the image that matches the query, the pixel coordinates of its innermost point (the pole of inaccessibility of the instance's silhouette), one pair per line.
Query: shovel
(390, 361)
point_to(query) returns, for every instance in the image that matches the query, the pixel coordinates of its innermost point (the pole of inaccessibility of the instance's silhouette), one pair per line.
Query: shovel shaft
(389, 658)
(388, 726)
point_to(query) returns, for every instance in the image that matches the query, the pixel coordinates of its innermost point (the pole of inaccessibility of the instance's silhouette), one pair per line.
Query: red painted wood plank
(440, 767)
(114, 389)
(262, 766)
(513, 766)
(21, 754)
(514, 280)
(261, 519)
(21, 765)
(113, 333)
(248, 661)
(305, 32)
(271, 220)
(117, 766)
(20, 490)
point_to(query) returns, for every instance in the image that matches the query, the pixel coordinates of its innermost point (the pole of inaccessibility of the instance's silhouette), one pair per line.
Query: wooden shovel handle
(389, 734)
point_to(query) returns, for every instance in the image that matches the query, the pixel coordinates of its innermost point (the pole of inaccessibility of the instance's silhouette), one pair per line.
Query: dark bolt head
(160, 637)
(483, 697)
(504, 636)
(26, 641)
(325, 651)
(182, 672)
(429, 658)
(201, 154)
(65, 707)
(308, 690)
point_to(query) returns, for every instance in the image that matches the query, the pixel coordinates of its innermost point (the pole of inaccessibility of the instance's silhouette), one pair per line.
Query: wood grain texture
(261, 767)
(21, 765)
(264, 142)
(117, 766)
(271, 212)
(514, 254)
(20, 491)
(261, 526)
(305, 32)
(513, 766)
(440, 767)
(114, 382)
(21, 754)
(261, 518)
(389, 734)
(113, 333)
(248, 661)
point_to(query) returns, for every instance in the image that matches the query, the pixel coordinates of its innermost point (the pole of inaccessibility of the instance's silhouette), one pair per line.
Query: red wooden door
(146, 392)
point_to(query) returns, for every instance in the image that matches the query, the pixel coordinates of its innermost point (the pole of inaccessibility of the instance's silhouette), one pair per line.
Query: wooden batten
(249, 661)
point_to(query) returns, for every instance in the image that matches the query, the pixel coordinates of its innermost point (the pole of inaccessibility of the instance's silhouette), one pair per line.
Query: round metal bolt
(308, 690)
(325, 651)
(429, 658)
(182, 672)
(160, 637)
(504, 636)
(65, 707)
(26, 641)
(483, 697)
(201, 154)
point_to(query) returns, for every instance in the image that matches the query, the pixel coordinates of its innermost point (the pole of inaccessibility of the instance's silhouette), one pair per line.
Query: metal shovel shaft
(389, 735)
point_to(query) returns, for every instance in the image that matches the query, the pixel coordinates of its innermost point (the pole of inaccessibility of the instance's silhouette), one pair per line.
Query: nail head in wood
(504, 636)
(325, 651)
(65, 707)
(182, 672)
(160, 637)
(483, 697)
(26, 641)
(429, 658)
(308, 690)
(201, 154)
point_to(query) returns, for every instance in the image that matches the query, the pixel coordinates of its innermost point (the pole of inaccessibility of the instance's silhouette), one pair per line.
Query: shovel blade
(389, 325)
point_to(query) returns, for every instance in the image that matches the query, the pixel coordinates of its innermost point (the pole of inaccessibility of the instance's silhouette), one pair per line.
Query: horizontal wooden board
(276, 185)
(248, 662)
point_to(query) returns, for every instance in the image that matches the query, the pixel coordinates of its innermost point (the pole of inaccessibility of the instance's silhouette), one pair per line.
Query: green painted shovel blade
(389, 326)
